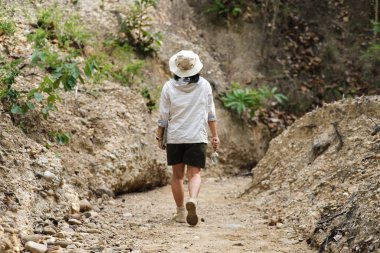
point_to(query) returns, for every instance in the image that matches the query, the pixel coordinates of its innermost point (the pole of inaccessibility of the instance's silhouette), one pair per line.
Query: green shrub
(69, 32)
(225, 8)
(72, 34)
(61, 138)
(248, 101)
(127, 74)
(49, 19)
(7, 27)
(135, 28)
(151, 97)
(8, 73)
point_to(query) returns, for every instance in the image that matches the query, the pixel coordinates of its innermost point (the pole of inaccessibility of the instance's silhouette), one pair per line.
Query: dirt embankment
(322, 176)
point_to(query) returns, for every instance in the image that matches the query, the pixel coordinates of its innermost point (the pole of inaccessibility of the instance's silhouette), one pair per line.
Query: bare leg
(194, 177)
(177, 183)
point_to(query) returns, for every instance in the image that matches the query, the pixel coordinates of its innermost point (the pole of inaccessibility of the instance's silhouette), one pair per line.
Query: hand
(215, 142)
(161, 145)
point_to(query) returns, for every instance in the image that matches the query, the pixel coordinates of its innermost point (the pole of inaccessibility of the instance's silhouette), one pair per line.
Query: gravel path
(141, 222)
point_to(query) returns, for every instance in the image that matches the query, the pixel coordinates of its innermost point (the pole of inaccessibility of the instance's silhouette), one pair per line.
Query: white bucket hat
(185, 63)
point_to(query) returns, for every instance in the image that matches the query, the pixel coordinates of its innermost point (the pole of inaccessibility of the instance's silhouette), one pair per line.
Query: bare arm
(160, 137)
(215, 142)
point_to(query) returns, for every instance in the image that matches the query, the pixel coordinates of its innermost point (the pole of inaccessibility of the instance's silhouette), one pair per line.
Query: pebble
(75, 207)
(32, 238)
(48, 175)
(127, 215)
(91, 225)
(62, 244)
(35, 247)
(74, 222)
(279, 225)
(49, 230)
(85, 205)
(93, 231)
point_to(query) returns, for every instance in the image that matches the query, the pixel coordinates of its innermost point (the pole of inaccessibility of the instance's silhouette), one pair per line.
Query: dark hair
(189, 79)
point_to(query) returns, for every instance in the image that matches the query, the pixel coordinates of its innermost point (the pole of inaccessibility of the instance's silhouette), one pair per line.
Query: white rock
(85, 205)
(35, 247)
(48, 175)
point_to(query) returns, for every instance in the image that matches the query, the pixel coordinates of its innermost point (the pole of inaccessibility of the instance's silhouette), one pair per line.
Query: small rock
(62, 244)
(85, 205)
(93, 231)
(91, 225)
(49, 230)
(279, 225)
(74, 222)
(35, 247)
(48, 175)
(32, 238)
(54, 249)
(127, 215)
(75, 207)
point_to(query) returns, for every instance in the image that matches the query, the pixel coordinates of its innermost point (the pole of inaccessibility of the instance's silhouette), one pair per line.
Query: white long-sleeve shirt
(185, 110)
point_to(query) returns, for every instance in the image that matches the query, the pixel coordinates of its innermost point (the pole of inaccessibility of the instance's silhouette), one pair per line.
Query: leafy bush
(8, 73)
(72, 34)
(127, 74)
(69, 33)
(225, 8)
(61, 138)
(7, 27)
(152, 97)
(248, 101)
(49, 19)
(135, 27)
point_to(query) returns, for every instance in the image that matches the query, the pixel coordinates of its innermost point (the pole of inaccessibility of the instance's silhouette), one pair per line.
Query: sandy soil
(229, 224)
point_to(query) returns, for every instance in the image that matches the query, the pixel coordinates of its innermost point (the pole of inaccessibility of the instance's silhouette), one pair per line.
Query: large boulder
(322, 176)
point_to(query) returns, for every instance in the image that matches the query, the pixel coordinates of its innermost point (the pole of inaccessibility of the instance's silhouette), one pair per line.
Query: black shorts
(193, 154)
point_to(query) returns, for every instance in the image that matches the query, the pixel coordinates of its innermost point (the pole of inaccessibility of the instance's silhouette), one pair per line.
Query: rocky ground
(322, 176)
(141, 222)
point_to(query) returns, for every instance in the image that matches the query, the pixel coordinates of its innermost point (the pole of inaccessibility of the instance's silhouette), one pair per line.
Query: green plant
(127, 74)
(7, 27)
(135, 28)
(65, 73)
(62, 138)
(49, 18)
(225, 8)
(8, 73)
(248, 101)
(69, 33)
(72, 34)
(152, 99)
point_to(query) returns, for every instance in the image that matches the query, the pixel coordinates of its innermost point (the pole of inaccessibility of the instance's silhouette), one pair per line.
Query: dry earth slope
(322, 176)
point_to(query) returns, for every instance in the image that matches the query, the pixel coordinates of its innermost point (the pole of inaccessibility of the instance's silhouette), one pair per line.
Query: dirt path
(141, 222)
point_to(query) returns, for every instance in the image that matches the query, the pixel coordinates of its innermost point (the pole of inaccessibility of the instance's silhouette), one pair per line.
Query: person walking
(186, 109)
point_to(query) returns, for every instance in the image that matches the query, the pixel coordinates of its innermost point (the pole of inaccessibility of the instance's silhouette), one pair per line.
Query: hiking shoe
(191, 207)
(180, 216)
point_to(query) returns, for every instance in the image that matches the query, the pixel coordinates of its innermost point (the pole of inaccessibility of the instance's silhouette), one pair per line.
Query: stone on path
(85, 205)
(35, 247)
